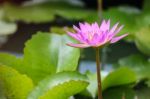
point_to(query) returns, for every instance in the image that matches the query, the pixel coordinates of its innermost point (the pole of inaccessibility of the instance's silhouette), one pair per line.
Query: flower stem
(99, 4)
(98, 74)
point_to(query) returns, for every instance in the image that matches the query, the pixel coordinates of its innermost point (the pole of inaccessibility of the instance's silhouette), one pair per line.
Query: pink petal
(115, 39)
(118, 30)
(87, 24)
(74, 35)
(95, 27)
(108, 24)
(103, 25)
(111, 35)
(82, 26)
(87, 27)
(93, 41)
(78, 45)
(104, 39)
(76, 28)
(100, 44)
(114, 28)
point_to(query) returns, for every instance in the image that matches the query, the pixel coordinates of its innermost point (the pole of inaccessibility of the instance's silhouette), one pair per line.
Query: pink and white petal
(93, 41)
(87, 24)
(102, 36)
(87, 27)
(112, 30)
(95, 27)
(76, 28)
(115, 39)
(118, 30)
(78, 45)
(104, 39)
(108, 24)
(101, 43)
(81, 25)
(74, 35)
(103, 26)
(113, 34)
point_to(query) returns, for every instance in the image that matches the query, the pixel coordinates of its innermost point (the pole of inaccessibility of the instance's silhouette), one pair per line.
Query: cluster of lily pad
(48, 68)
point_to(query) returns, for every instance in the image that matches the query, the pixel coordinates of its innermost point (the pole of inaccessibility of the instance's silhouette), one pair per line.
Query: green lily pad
(14, 85)
(118, 77)
(43, 12)
(60, 86)
(142, 40)
(148, 83)
(119, 93)
(44, 54)
(10, 60)
(139, 64)
(92, 88)
(47, 54)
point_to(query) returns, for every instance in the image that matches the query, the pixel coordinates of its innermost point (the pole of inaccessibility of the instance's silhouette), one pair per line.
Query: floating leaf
(92, 88)
(148, 82)
(13, 85)
(119, 92)
(10, 60)
(143, 21)
(58, 30)
(118, 77)
(45, 50)
(121, 76)
(60, 86)
(44, 12)
(142, 40)
(47, 54)
(139, 64)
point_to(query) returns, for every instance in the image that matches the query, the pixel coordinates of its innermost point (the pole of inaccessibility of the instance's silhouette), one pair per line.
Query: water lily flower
(93, 35)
